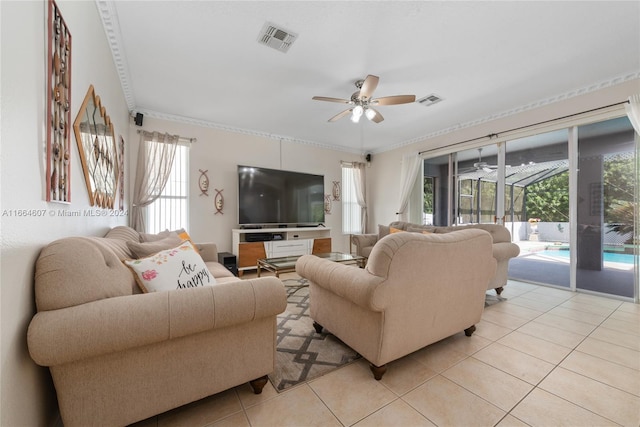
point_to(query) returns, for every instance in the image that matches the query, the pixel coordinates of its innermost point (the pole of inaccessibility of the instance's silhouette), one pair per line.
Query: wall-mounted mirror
(98, 152)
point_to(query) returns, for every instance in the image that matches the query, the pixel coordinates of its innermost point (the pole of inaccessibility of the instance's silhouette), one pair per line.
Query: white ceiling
(200, 62)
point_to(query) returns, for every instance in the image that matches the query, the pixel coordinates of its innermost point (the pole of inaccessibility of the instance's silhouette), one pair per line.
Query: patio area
(548, 262)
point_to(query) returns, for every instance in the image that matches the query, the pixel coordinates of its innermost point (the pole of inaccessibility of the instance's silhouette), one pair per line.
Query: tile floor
(543, 357)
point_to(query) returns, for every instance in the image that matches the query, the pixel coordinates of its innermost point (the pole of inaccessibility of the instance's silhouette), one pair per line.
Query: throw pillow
(395, 230)
(421, 229)
(141, 250)
(148, 237)
(177, 268)
(383, 230)
(182, 233)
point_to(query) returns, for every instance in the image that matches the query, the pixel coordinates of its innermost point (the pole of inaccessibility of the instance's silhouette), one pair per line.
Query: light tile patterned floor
(543, 357)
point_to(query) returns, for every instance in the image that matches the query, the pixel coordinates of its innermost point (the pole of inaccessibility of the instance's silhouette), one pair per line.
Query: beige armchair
(415, 290)
(503, 249)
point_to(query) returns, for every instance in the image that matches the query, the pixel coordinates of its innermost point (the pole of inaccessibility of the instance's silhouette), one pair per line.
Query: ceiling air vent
(276, 37)
(429, 100)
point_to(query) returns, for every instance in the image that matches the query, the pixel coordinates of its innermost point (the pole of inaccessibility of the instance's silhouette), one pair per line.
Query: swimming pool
(608, 256)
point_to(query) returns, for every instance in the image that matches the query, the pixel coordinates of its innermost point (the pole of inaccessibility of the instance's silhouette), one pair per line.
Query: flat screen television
(279, 197)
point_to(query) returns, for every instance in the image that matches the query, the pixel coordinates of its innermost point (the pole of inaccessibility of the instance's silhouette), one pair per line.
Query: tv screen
(272, 196)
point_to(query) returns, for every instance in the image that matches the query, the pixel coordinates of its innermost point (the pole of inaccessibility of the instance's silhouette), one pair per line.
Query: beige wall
(220, 151)
(26, 390)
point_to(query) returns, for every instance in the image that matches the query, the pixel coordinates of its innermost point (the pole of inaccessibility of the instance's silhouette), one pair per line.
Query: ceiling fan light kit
(362, 101)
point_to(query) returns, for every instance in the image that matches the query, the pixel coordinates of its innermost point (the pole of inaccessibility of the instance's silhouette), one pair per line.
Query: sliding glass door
(607, 180)
(537, 208)
(568, 197)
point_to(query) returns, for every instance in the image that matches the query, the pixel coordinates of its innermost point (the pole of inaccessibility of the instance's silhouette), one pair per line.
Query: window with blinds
(170, 211)
(351, 211)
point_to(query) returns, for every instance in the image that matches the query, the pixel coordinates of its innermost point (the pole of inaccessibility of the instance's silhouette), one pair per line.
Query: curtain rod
(495, 135)
(180, 138)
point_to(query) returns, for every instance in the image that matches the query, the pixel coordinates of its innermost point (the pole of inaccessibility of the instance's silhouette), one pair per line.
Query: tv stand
(249, 245)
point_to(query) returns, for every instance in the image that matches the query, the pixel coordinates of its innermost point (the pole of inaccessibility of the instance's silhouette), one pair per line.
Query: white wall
(219, 152)
(27, 394)
(384, 174)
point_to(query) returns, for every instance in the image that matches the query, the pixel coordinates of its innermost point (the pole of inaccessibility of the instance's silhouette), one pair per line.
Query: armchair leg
(378, 371)
(258, 384)
(318, 327)
(499, 290)
(470, 330)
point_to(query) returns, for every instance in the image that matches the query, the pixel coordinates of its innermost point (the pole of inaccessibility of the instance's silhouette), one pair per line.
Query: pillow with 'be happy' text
(177, 268)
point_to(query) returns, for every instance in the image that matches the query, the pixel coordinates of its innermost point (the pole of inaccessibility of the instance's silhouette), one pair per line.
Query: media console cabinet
(251, 244)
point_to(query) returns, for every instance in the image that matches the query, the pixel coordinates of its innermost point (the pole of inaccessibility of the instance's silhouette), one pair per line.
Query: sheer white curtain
(359, 180)
(410, 168)
(155, 160)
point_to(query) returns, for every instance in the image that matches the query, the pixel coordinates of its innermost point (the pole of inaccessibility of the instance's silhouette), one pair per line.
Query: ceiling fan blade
(394, 100)
(377, 118)
(368, 86)
(340, 115)
(329, 99)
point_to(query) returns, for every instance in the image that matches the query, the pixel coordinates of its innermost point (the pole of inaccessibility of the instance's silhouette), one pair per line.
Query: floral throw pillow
(176, 268)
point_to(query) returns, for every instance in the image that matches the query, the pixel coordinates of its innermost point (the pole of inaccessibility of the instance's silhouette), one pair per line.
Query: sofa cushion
(177, 268)
(122, 232)
(150, 237)
(118, 247)
(77, 270)
(141, 250)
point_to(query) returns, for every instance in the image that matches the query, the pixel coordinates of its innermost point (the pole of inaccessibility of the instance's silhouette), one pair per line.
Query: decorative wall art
(121, 173)
(58, 114)
(203, 182)
(218, 202)
(327, 204)
(98, 151)
(337, 190)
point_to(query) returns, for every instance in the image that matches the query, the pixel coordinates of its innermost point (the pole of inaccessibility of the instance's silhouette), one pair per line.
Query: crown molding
(218, 126)
(540, 103)
(111, 26)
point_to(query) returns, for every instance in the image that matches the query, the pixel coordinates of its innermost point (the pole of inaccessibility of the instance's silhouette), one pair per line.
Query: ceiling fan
(363, 103)
(480, 165)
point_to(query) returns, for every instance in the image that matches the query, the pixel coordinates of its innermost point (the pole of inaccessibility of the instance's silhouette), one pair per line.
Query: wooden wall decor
(327, 204)
(337, 191)
(58, 114)
(219, 202)
(203, 182)
(98, 151)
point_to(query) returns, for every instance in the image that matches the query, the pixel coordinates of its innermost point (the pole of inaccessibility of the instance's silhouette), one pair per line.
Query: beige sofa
(118, 356)
(414, 291)
(503, 249)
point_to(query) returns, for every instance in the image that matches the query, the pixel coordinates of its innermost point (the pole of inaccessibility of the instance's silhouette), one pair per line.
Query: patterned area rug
(302, 354)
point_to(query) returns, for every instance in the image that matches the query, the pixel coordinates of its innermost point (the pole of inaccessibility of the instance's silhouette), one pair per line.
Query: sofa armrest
(116, 324)
(354, 284)
(208, 251)
(505, 250)
(364, 240)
